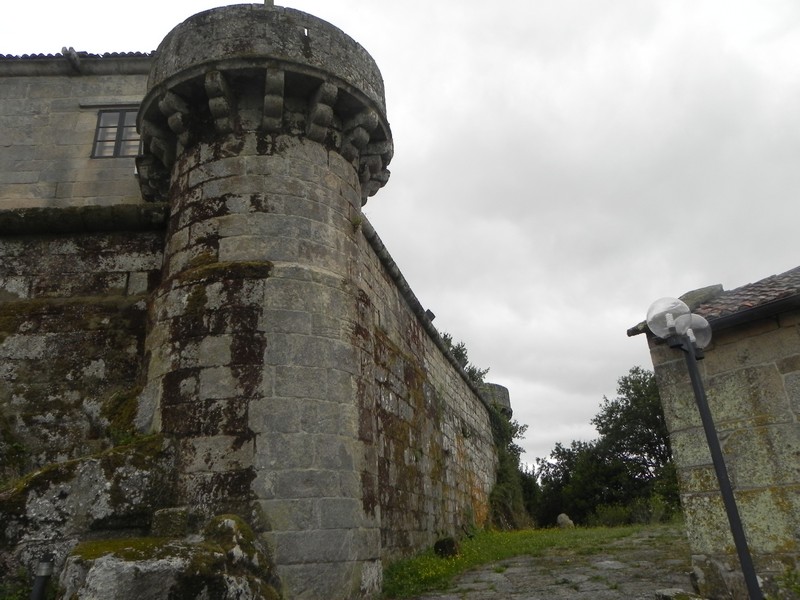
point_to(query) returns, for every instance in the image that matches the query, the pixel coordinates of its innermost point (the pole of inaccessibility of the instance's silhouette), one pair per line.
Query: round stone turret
(265, 130)
(268, 69)
(498, 395)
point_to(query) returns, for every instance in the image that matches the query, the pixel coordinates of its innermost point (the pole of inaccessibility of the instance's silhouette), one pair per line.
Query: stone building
(214, 379)
(751, 373)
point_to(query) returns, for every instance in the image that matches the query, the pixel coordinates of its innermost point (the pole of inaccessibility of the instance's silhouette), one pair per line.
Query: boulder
(227, 561)
(446, 547)
(564, 522)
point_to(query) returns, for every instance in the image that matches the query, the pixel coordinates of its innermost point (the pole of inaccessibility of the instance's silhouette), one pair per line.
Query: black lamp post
(43, 572)
(671, 320)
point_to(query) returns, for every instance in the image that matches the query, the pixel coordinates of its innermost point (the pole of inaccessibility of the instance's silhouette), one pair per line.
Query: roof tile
(751, 295)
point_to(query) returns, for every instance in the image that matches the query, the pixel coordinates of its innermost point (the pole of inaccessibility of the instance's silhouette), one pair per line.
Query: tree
(459, 352)
(555, 474)
(633, 430)
(628, 466)
(507, 499)
(632, 426)
(578, 479)
(531, 492)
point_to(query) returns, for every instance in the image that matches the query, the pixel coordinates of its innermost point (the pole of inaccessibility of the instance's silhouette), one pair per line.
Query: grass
(426, 572)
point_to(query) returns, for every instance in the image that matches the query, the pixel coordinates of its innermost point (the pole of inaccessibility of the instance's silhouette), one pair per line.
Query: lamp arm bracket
(685, 343)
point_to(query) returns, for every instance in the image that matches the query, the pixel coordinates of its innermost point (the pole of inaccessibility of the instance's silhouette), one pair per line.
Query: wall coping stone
(128, 63)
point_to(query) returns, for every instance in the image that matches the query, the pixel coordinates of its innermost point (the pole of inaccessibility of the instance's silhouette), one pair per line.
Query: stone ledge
(131, 63)
(83, 219)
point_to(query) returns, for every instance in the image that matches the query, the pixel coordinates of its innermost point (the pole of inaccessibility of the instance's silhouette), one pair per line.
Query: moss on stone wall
(143, 548)
(227, 550)
(149, 455)
(75, 219)
(85, 400)
(118, 489)
(426, 454)
(120, 411)
(226, 270)
(397, 475)
(64, 315)
(13, 498)
(142, 453)
(12, 453)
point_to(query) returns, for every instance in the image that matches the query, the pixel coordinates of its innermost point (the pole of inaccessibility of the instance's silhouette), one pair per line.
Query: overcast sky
(559, 164)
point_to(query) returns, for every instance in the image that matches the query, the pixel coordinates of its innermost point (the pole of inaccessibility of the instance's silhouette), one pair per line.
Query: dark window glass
(116, 134)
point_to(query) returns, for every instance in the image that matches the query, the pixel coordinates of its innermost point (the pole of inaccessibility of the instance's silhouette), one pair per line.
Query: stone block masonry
(258, 326)
(48, 115)
(72, 319)
(428, 472)
(750, 373)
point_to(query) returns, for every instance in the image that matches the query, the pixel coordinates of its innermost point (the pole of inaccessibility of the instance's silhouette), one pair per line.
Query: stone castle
(214, 380)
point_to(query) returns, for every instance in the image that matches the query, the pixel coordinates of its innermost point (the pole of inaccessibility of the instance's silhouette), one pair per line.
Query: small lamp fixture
(668, 317)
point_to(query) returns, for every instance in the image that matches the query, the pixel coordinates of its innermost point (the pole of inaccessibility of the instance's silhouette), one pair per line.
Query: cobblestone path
(651, 564)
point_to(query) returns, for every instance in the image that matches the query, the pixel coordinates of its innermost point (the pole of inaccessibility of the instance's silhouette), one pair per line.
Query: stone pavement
(651, 564)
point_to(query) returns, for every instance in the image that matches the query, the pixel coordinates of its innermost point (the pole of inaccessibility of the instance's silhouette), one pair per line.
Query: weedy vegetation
(426, 572)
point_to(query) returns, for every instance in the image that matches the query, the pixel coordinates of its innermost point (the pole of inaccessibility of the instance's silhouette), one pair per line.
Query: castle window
(116, 134)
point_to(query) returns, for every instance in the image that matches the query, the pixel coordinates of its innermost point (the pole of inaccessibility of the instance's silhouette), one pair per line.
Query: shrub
(610, 515)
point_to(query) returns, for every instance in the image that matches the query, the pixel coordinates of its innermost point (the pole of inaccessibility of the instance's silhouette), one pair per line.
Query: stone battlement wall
(422, 419)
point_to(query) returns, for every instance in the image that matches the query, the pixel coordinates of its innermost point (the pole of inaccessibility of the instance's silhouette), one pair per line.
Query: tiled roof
(753, 300)
(81, 54)
(751, 296)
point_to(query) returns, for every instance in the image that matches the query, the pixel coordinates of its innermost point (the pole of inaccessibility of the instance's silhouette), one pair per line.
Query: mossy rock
(227, 557)
(118, 469)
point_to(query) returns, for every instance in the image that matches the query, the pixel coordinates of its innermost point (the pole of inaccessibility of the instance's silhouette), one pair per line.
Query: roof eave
(740, 317)
(762, 311)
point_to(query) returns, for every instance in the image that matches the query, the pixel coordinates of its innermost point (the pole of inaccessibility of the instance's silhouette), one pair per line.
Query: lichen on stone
(226, 561)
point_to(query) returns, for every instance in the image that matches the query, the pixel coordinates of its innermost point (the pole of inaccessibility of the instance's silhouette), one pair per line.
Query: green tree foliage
(507, 499)
(459, 351)
(531, 492)
(632, 427)
(627, 472)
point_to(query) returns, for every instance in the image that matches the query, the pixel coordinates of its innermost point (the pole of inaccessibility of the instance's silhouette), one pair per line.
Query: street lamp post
(671, 320)
(43, 572)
